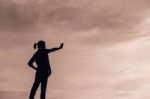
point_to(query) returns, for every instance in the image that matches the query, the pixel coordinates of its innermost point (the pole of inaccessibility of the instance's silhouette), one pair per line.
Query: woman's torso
(42, 60)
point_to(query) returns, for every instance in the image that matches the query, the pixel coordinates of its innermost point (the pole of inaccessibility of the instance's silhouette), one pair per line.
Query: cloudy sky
(106, 51)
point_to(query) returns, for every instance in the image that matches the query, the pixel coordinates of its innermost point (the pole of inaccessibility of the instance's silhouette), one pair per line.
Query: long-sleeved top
(41, 59)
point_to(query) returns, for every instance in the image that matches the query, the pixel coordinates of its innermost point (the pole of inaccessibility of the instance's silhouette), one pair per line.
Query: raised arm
(30, 63)
(56, 48)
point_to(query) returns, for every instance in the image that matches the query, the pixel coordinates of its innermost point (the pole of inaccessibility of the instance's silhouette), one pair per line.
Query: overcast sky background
(106, 51)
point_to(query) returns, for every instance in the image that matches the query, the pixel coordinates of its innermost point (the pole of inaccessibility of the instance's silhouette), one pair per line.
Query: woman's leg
(35, 87)
(43, 86)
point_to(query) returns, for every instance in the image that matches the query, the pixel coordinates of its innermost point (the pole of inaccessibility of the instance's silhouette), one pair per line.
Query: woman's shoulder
(36, 53)
(41, 51)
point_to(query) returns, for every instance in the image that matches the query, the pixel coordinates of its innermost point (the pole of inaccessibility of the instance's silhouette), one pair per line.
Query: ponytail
(34, 46)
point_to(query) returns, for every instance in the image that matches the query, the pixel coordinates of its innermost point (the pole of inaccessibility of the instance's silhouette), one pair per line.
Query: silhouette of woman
(43, 69)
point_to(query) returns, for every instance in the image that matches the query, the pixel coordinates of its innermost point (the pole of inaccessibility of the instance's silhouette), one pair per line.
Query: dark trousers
(41, 78)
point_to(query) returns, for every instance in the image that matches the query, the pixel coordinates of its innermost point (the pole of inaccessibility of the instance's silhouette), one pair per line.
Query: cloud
(71, 15)
(15, 17)
(15, 95)
(113, 21)
(85, 68)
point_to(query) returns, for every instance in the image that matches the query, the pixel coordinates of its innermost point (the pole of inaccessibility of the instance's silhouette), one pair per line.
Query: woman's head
(40, 44)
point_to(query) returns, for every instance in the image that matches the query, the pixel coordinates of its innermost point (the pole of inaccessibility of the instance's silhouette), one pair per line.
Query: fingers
(61, 45)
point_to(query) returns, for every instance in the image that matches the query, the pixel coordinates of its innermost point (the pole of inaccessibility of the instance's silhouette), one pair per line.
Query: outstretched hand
(61, 45)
